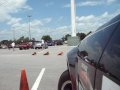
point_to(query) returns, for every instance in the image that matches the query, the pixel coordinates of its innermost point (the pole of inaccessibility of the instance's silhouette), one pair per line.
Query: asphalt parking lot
(12, 62)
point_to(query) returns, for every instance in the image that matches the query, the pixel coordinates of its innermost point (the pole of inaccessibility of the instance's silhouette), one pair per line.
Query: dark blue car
(95, 63)
(50, 43)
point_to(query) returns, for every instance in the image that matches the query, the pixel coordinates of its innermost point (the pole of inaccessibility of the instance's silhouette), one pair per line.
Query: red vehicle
(25, 46)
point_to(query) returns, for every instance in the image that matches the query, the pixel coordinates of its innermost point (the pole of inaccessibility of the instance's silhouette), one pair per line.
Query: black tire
(20, 48)
(64, 81)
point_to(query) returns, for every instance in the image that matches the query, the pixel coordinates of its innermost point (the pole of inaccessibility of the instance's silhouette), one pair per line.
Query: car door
(108, 73)
(90, 51)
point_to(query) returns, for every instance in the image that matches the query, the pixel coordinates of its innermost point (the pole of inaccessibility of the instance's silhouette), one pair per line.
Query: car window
(94, 44)
(112, 21)
(111, 57)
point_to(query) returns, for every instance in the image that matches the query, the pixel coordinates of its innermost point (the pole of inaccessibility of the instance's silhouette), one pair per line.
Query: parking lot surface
(12, 62)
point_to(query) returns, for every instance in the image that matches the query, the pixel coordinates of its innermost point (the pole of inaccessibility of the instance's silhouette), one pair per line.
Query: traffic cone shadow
(23, 81)
(47, 53)
(61, 53)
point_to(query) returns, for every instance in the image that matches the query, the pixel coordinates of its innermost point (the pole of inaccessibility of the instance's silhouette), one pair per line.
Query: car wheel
(64, 81)
(20, 48)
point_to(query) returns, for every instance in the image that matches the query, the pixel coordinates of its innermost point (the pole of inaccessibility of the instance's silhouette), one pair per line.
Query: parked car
(50, 43)
(25, 46)
(95, 63)
(40, 45)
(59, 42)
(4, 46)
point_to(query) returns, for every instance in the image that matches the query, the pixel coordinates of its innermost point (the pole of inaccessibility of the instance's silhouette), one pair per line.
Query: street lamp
(29, 16)
(73, 19)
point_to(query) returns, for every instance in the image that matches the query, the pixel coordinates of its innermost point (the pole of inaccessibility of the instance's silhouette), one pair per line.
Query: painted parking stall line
(37, 82)
(108, 84)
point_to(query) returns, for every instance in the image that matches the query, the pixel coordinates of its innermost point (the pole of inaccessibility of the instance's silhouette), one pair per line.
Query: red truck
(25, 46)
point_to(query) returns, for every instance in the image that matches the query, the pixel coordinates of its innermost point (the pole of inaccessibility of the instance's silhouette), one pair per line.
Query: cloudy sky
(53, 16)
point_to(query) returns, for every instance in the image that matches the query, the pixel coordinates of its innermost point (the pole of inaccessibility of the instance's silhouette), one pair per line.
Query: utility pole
(29, 17)
(13, 31)
(73, 18)
(14, 35)
(73, 40)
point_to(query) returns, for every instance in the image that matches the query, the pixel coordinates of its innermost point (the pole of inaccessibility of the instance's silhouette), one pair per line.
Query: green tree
(46, 38)
(5, 42)
(22, 39)
(26, 39)
(81, 35)
(66, 36)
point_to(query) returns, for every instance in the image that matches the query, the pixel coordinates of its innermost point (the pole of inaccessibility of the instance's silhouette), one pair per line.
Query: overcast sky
(53, 16)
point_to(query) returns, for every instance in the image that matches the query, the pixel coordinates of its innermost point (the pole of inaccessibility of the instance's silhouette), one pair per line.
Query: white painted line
(37, 82)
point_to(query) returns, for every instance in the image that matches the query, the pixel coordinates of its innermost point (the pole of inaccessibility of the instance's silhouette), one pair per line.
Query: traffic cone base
(47, 53)
(61, 53)
(34, 53)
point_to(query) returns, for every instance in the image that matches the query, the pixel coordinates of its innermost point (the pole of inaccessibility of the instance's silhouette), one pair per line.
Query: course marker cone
(47, 53)
(61, 53)
(23, 81)
(34, 53)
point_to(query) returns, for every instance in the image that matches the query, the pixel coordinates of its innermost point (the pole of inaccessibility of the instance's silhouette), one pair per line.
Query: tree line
(44, 37)
(80, 35)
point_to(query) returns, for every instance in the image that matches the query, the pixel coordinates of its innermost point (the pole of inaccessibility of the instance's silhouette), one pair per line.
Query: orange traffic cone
(23, 81)
(47, 53)
(34, 53)
(61, 53)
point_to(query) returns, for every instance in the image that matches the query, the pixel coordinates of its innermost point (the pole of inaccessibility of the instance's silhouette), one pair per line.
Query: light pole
(73, 18)
(13, 32)
(29, 16)
(14, 35)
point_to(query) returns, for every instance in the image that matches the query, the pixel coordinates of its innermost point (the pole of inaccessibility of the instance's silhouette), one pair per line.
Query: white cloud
(49, 4)
(13, 21)
(92, 22)
(66, 6)
(60, 19)
(8, 7)
(111, 1)
(92, 3)
(22, 29)
(36, 23)
(39, 27)
(47, 20)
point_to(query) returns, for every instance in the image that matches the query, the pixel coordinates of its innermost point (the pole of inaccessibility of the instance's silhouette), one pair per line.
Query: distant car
(59, 42)
(45, 46)
(95, 63)
(9, 46)
(4, 47)
(50, 43)
(65, 42)
(24, 46)
(40, 45)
